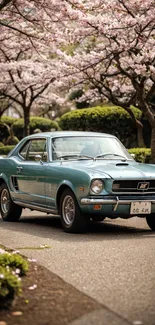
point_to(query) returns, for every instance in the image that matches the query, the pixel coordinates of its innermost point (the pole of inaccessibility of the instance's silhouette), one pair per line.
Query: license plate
(141, 207)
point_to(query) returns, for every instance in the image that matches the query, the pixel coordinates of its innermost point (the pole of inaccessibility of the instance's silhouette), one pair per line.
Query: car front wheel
(71, 217)
(151, 221)
(8, 209)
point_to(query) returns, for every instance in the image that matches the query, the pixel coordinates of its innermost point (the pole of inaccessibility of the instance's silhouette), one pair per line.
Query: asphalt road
(113, 262)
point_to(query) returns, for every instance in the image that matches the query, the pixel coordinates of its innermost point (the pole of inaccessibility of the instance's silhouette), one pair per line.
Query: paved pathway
(114, 262)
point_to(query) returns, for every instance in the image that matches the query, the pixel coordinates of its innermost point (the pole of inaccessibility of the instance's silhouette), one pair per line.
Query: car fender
(60, 189)
(66, 183)
(3, 178)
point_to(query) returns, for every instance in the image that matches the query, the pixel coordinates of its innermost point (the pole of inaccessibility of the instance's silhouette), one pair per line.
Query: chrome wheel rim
(68, 210)
(5, 201)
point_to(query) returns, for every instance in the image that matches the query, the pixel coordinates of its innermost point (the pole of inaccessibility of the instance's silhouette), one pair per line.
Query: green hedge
(5, 124)
(5, 150)
(8, 120)
(36, 123)
(142, 155)
(11, 140)
(112, 119)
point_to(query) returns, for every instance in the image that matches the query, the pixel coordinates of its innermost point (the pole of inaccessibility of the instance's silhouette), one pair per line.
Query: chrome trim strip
(112, 201)
(133, 188)
(36, 207)
(130, 193)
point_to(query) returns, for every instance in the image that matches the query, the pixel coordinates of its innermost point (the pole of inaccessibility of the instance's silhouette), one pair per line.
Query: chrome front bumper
(116, 202)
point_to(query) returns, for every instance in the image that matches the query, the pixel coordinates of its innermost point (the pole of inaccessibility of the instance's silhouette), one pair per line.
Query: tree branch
(4, 3)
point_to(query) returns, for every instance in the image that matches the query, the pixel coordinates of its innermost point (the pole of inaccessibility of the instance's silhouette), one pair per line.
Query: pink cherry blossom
(105, 47)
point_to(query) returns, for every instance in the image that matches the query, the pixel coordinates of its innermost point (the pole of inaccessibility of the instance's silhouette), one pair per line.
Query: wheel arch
(2, 180)
(61, 189)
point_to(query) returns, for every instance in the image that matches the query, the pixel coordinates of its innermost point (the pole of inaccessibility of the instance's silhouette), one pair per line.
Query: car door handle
(19, 169)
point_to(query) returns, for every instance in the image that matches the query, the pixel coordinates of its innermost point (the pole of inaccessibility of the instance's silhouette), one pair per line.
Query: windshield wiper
(75, 156)
(102, 155)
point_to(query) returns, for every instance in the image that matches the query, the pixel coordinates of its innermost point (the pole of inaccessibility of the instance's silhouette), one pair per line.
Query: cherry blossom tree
(29, 70)
(113, 53)
(28, 83)
(105, 47)
(37, 21)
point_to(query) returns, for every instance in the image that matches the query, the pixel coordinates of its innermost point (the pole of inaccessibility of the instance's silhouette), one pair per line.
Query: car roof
(68, 133)
(57, 134)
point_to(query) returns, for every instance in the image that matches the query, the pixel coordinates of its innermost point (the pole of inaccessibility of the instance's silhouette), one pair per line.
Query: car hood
(117, 169)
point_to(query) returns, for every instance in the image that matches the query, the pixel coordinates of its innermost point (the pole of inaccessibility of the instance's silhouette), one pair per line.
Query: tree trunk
(137, 123)
(153, 145)
(140, 138)
(26, 130)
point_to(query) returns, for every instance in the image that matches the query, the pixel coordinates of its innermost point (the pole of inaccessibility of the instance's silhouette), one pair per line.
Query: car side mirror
(38, 158)
(133, 155)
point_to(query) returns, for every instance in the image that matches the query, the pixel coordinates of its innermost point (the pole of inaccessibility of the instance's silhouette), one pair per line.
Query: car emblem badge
(143, 186)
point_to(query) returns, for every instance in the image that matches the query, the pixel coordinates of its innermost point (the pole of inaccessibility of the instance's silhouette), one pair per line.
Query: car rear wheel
(8, 209)
(151, 221)
(71, 217)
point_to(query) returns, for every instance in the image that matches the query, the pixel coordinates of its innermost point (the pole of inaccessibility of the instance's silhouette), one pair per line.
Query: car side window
(24, 149)
(37, 147)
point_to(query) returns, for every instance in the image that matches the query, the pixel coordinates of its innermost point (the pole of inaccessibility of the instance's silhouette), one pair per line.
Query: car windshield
(88, 147)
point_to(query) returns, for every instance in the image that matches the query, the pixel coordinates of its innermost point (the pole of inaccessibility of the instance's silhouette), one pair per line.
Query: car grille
(130, 186)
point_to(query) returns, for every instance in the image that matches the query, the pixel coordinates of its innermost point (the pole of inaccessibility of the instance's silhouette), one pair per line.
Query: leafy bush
(14, 261)
(1, 144)
(9, 286)
(35, 123)
(8, 120)
(142, 155)
(43, 124)
(5, 150)
(11, 140)
(113, 120)
(5, 125)
(12, 266)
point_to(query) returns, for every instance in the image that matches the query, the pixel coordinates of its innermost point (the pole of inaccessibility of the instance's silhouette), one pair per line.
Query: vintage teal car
(79, 175)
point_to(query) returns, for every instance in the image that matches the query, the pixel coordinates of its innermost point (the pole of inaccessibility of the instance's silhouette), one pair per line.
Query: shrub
(14, 261)
(9, 286)
(5, 125)
(5, 150)
(43, 124)
(1, 144)
(35, 123)
(113, 120)
(142, 155)
(8, 120)
(11, 140)
(12, 266)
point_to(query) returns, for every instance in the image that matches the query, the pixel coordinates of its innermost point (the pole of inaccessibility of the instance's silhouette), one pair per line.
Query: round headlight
(97, 186)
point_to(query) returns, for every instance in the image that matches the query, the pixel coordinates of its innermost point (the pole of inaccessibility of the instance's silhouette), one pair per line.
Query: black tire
(8, 209)
(150, 219)
(72, 219)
